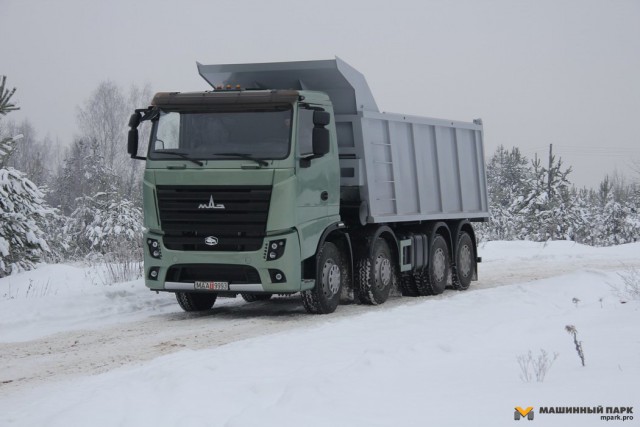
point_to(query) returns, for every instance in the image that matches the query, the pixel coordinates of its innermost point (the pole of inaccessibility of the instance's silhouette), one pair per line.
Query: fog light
(277, 276)
(154, 273)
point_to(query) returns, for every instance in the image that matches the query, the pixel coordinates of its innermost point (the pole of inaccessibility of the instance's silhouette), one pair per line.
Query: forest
(80, 200)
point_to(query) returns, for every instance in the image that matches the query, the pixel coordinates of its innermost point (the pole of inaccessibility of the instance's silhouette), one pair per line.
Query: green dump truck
(286, 178)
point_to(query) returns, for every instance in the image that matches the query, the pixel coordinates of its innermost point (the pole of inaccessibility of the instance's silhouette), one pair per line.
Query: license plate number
(211, 286)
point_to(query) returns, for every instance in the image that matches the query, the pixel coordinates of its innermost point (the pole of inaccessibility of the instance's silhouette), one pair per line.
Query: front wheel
(331, 272)
(190, 301)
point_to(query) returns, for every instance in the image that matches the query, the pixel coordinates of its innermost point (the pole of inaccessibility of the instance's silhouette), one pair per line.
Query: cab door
(315, 184)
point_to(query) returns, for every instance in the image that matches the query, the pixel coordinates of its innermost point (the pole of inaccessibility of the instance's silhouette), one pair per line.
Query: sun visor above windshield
(178, 100)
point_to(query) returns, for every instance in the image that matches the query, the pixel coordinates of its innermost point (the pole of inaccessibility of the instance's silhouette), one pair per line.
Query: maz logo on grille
(211, 205)
(211, 241)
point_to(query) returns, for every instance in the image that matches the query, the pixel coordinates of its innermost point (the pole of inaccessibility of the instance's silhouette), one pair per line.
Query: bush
(535, 367)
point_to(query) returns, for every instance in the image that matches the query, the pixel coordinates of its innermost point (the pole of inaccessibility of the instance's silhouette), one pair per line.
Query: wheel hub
(439, 266)
(330, 278)
(383, 271)
(465, 261)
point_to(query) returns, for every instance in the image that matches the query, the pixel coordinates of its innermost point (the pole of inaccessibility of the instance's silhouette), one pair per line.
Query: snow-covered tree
(547, 209)
(37, 158)
(23, 210)
(615, 217)
(104, 223)
(509, 179)
(103, 119)
(23, 213)
(83, 174)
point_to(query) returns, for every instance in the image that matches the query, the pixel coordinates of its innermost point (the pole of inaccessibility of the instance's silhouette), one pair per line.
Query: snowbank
(57, 298)
(448, 361)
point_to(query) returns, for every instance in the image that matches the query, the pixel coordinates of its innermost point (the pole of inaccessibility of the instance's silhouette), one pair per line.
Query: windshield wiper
(244, 156)
(180, 154)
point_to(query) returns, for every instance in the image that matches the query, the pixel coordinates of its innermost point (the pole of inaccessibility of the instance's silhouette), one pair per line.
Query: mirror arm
(305, 161)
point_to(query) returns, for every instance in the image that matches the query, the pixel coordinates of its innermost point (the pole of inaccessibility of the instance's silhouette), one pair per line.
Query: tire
(331, 272)
(255, 297)
(465, 266)
(435, 279)
(516, 415)
(421, 280)
(190, 301)
(376, 275)
(408, 285)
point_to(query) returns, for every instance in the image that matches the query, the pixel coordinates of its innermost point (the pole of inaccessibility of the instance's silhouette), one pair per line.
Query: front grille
(234, 274)
(189, 215)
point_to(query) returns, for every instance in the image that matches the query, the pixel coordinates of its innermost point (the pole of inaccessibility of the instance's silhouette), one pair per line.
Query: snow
(448, 360)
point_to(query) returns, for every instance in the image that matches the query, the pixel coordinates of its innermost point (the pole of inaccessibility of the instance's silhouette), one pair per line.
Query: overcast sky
(537, 72)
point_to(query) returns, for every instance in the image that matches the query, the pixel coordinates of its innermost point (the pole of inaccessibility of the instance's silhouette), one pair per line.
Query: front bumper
(289, 264)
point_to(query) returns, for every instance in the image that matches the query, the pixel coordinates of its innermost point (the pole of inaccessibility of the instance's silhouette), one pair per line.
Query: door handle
(324, 196)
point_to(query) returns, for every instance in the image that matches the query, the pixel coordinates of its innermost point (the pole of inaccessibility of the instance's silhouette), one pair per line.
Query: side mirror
(132, 143)
(134, 120)
(320, 141)
(321, 118)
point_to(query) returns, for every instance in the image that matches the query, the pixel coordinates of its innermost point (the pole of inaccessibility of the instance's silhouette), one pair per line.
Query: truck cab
(238, 186)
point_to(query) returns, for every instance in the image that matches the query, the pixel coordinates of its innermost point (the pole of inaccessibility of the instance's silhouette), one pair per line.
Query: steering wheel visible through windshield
(259, 133)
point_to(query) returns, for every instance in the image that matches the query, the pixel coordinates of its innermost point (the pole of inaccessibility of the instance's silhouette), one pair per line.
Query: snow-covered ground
(74, 351)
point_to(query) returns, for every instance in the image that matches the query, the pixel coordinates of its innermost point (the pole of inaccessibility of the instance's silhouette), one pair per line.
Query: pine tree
(23, 210)
(100, 220)
(509, 181)
(105, 223)
(615, 218)
(548, 207)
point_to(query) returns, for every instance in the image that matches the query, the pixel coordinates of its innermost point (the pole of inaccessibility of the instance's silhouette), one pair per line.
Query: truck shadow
(277, 308)
(285, 308)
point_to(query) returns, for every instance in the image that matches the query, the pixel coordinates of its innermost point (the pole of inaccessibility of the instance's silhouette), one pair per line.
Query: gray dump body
(405, 168)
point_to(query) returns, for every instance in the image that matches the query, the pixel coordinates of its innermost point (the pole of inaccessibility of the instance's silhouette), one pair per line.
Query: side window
(168, 133)
(305, 131)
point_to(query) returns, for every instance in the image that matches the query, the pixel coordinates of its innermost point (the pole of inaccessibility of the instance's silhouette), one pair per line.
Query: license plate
(211, 286)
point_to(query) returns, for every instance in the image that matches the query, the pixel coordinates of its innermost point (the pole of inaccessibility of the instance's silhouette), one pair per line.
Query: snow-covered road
(76, 329)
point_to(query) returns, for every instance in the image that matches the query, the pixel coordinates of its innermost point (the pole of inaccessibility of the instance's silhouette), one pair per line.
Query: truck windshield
(258, 134)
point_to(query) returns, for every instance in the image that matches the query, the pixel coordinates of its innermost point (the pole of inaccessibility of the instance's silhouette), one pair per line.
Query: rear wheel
(190, 301)
(408, 285)
(376, 274)
(437, 274)
(331, 272)
(255, 297)
(465, 262)
(422, 283)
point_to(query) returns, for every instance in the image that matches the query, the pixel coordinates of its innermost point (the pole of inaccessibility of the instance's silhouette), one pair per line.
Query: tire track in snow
(89, 352)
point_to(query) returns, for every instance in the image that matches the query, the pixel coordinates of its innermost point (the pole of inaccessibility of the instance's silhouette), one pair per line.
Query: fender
(309, 265)
(472, 233)
(431, 232)
(457, 228)
(366, 239)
